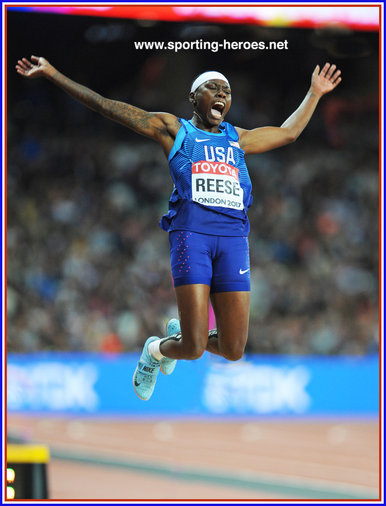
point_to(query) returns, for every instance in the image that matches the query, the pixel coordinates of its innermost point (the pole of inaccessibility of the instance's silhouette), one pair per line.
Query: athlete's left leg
(230, 296)
(232, 319)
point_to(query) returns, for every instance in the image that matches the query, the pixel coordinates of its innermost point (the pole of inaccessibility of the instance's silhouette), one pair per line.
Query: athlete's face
(212, 101)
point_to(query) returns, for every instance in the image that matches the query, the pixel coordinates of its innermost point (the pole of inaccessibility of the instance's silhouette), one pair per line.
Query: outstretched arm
(263, 139)
(161, 127)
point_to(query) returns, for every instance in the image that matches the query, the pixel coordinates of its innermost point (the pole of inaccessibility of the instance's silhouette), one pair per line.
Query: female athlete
(207, 221)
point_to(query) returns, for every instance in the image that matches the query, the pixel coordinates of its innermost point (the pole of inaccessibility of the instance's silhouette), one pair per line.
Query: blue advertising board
(96, 384)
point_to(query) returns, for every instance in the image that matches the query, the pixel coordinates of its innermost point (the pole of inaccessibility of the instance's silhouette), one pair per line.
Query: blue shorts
(218, 261)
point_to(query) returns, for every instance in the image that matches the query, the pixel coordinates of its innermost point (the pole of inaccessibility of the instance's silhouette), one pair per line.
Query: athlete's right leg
(191, 262)
(190, 344)
(193, 308)
(192, 270)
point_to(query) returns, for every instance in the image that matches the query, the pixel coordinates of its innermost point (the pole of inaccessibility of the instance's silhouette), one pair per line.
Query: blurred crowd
(88, 268)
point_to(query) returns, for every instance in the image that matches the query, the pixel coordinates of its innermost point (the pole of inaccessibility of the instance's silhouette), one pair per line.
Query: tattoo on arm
(128, 115)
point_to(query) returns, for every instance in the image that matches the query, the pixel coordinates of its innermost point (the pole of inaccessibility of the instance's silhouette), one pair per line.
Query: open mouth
(217, 109)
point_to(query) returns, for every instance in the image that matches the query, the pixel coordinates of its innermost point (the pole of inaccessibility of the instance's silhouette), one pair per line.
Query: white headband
(207, 76)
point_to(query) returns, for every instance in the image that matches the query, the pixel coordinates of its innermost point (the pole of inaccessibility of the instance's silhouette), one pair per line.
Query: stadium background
(88, 268)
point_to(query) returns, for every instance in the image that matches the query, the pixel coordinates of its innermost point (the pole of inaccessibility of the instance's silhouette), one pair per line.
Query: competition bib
(217, 184)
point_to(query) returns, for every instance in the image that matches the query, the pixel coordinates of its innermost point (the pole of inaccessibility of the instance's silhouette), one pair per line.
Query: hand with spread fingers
(36, 67)
(325, 80)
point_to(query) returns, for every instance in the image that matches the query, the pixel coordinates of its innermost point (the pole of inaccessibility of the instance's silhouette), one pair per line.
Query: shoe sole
(164, 373)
